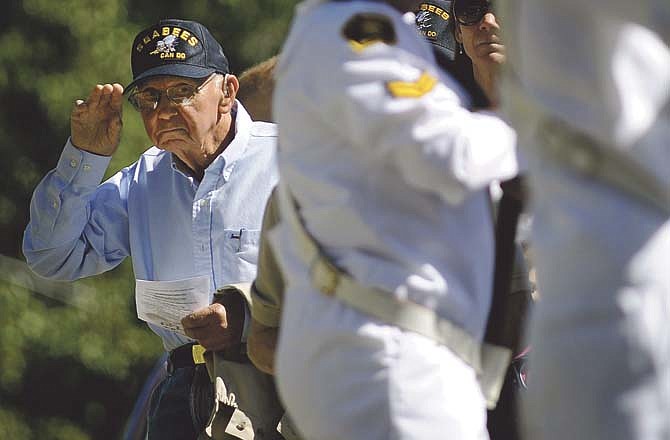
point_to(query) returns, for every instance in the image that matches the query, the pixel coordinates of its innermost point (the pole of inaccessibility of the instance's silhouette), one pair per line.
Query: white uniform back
(394, 187)
(600, 334)
(391, 174)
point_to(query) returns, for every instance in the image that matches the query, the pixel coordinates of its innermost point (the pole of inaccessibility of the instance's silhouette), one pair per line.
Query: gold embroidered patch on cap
(427, 7)
(412, 89)
(168, 42)
(365, 29)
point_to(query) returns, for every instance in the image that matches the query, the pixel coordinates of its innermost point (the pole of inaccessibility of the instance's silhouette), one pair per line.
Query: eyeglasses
(470, 12)
(147, 100)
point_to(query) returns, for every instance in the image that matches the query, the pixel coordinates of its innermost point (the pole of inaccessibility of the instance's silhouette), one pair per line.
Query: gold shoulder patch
(365, 29)
(412, 89)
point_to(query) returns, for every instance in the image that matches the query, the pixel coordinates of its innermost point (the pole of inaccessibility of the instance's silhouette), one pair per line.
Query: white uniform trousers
(343, 375)
(600, 365)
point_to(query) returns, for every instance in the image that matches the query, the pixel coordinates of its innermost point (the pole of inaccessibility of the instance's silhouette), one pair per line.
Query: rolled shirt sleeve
(78, 227)
(391, 100)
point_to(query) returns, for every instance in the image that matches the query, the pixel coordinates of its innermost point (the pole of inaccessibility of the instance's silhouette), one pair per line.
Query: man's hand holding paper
(165, 303)
(217, 326)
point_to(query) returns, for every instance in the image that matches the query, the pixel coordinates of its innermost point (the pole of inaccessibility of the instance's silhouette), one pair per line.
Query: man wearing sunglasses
(191, 206)
(477, 30)
(471, 12)
(589, 94)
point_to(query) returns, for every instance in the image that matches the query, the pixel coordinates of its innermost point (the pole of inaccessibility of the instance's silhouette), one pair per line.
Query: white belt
(489, 361)
(563, 145)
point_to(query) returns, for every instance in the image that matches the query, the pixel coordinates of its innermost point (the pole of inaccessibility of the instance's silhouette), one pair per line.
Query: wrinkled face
(481, 41)
(187, 127)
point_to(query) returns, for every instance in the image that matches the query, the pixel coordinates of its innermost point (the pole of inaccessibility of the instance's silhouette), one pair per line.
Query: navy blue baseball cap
(177, 48)
(435, 22)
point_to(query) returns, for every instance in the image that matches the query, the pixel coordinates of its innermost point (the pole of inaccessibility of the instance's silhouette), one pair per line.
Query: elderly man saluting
(190, 208)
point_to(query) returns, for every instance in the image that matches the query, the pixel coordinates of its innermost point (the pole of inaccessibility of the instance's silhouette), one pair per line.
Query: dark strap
(190, 355)
(187, 355)
(508, 306)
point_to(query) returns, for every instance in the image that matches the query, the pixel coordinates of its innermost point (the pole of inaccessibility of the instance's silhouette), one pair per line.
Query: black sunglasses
(470, 12)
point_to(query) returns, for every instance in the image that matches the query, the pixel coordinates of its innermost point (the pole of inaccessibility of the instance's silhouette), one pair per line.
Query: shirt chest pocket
(236, 255)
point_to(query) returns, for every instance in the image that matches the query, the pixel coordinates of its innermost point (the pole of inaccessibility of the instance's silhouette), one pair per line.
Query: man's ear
(457, 33)
(229, 86)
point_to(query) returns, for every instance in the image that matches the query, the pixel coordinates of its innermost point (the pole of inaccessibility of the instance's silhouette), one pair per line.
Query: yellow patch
(412, 89)
(365, 29)
(359, 46)
(198, 352)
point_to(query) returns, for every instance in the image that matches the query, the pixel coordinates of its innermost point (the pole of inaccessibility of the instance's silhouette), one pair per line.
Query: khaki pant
(246, 405)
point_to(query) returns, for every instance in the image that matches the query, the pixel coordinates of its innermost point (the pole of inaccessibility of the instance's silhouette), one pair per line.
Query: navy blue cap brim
(183, 70)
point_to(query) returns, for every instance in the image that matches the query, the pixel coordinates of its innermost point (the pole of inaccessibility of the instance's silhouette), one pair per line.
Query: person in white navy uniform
(589, 92)
(190, 206)
(387, 173)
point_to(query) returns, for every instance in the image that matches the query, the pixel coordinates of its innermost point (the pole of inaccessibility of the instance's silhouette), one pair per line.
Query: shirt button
(73, 163)
(203, 203)
(86, 167)
(54, 204)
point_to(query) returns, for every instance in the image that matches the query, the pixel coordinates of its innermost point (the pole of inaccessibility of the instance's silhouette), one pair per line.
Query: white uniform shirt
(393, 187)
(602, 66)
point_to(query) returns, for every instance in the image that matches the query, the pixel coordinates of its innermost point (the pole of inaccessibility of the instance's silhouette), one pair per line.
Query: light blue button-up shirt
(171, 225)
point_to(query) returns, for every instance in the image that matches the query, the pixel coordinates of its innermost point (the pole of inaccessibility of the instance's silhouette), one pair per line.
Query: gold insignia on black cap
(365, 29)
(441, 12)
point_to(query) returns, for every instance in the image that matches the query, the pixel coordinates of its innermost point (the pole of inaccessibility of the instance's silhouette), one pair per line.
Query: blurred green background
(73, 356)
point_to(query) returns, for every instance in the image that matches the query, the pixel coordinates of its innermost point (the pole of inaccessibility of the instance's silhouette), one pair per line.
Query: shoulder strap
(511, 286)
(586, 156)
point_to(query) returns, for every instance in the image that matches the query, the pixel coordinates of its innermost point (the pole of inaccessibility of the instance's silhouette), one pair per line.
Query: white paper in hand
(165, 303)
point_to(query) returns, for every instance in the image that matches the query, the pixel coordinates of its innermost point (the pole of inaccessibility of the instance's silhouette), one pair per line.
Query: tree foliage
(73, 356)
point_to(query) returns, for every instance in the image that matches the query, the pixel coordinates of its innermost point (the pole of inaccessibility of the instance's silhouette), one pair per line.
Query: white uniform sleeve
(602, 67)
(392, 99)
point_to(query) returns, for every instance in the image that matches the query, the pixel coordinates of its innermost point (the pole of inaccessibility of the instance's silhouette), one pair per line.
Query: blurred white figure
(589, 93)
(390, 172)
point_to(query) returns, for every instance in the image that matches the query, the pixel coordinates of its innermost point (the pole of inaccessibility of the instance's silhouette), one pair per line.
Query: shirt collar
(228, 158)
(225, 162)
